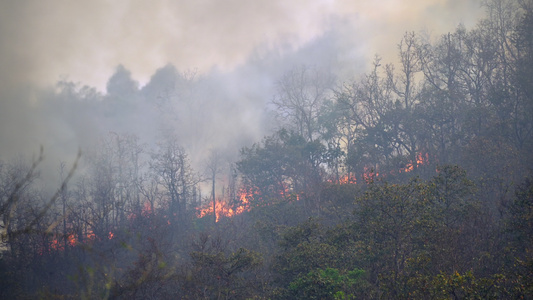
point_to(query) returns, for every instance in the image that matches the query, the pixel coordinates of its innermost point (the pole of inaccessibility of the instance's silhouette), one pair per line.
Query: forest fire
(223, 208)
(369, 174)
(421, 159)
(284, 165)
(347, 179)
(58, 243)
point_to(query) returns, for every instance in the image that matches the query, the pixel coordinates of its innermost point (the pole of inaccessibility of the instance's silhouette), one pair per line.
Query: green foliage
(317, 263)
(215, 274)
(388, 221)
(520, 222)
(416, 228)
(337, 201)
(458, 286)
(283, 164)
(304, 250)
(519, 269)
(326, 283)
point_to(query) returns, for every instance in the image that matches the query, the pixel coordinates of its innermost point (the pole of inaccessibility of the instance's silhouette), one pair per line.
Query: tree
(171, 170)
(15, 180)
(303, 249)
(284, 166)
(443, 108)
(335, 132)
(214, 168)
(522, 41)
(327, 283)
(128, 161)
(406, 231)
(28, 221)
(216, 272)
(120, 84)
(519, 240)
(403, 117)
(387, 223)
(301, 93)
(21, 216)
(381, 127)
(102, 186)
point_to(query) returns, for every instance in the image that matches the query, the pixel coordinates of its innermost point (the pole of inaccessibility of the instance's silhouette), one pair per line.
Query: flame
(245, 202)
(58, 244)
(71, 239)
(90, 235)
(223, 208)
(369, 174)
(421, 159)
(147, 209)
(346, 179)
(146, 212)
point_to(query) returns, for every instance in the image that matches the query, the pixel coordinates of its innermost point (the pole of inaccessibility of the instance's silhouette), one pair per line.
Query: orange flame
(245, 197)
(369, 174)
(223, 208)
(91, 235)
(421, 159)
(58, 243)
(347, 179)
(147, 209)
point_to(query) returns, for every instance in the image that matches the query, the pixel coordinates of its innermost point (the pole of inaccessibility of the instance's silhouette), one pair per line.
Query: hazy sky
(42, 41)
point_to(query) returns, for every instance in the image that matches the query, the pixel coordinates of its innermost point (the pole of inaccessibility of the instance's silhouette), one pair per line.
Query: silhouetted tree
(301, 94)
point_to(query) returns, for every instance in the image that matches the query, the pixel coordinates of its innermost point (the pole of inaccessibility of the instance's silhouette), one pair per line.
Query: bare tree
(368, 104)
(64, 199)
(127, 153)
(171, 170)
(214, 168)
(15, 180)
(20, 215)
(403, 84)
(301, 94)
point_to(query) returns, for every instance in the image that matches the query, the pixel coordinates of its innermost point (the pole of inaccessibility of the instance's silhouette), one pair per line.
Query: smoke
(213, 62)
(41, 40)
